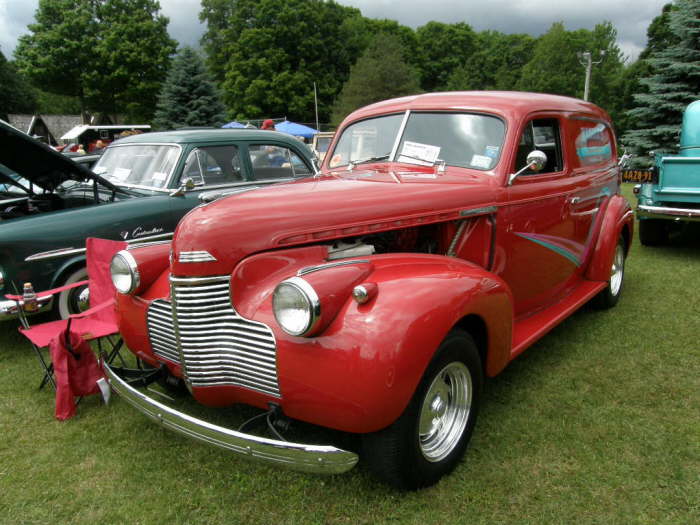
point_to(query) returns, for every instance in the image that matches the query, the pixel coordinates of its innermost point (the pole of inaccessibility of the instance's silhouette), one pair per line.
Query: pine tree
(188, 97)
(674, 82)
(380, 73)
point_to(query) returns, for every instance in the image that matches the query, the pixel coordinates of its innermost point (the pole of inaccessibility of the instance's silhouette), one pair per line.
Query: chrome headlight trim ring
(125, 258)
(313, 306)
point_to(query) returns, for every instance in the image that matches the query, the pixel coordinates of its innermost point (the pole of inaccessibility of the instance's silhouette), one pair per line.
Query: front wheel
(73, 300)
(611, 294)
(429, 438)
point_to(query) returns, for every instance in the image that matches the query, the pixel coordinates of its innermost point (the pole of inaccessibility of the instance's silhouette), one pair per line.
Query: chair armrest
(47, 293)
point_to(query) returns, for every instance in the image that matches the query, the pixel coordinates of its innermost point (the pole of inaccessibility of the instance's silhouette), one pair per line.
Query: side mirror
(188, 184)
(536, 160)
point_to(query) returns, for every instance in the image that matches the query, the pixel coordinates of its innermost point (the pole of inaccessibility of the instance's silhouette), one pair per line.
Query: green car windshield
(138, 165)
(466, 140)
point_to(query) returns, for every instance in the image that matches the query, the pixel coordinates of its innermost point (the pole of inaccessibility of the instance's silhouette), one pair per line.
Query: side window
(276, 162)
(213, 165)
(543, 135)
(593, 143)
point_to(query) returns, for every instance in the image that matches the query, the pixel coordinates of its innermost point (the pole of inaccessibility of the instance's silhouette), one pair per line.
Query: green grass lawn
(598, 423)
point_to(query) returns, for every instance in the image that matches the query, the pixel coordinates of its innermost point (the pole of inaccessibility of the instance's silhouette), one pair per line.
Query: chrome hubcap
(445, 412)
(617, 270)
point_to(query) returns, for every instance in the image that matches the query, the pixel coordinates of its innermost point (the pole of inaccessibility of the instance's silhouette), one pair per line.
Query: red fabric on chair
(76, 371)
(98, 321)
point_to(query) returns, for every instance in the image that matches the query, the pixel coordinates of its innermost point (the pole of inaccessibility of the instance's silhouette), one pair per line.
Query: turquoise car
(671, 197)
(137, 191)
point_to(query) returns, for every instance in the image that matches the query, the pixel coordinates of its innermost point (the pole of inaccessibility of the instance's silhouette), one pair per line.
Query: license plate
(639, 176)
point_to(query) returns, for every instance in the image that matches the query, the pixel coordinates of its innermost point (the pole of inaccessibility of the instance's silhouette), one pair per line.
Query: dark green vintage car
(137, 192)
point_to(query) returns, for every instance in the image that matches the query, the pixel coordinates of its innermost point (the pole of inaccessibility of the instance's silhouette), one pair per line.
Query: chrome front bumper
(665, 212)
(318, 459)
(9, 308)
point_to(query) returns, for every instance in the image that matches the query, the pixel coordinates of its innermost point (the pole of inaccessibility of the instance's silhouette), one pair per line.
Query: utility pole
(316, 106)
(586, 60)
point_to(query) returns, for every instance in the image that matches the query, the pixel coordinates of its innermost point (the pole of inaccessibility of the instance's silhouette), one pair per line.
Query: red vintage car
(445, 234)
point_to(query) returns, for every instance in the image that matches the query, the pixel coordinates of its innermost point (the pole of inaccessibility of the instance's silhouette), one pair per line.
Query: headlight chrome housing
(125, 272)
(296, 306)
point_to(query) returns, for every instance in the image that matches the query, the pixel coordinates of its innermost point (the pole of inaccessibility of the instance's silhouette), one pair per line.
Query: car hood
(319, 210)
(38, 163)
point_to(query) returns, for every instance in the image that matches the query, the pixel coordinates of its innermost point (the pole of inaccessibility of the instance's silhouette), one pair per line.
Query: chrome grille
(218, 346)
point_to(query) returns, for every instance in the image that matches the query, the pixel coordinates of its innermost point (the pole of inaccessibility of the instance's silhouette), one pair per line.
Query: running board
(528, 330)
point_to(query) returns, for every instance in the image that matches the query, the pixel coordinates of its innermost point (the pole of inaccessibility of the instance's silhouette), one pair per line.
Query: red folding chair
(98, 323)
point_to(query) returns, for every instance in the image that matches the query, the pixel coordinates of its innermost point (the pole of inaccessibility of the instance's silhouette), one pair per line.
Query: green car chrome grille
(217, 345)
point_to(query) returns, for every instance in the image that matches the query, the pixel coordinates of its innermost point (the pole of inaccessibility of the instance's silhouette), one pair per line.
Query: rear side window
(213, 165)
(592, 142)
(271, 161)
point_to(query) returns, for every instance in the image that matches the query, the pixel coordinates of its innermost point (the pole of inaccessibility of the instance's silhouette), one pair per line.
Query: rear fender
(618, 220)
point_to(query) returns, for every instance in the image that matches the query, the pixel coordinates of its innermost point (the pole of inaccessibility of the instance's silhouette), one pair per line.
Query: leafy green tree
(188, 97)
(673, 82)
(131, 58)
(496, 63)
(110, 54)
(555, 67)
(17, 94)
(52, 104)
(659, 33)
(267, 54)
(57, 54)
(380, 73)
(442, 48)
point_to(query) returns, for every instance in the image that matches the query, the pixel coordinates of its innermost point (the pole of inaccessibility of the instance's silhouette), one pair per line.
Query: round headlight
(296, 306)
(125, 274)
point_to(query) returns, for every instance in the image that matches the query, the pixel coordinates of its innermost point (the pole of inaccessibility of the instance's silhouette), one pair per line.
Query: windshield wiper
(369, 159)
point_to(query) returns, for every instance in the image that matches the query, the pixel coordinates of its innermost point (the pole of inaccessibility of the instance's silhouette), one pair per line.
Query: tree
(131, 58)
(555, 67)
(188, 97)
(17, 94)
(380, 73)
(110, 54)
(673, 82)
(254, 48)
(57, 53)
(442, 48)
(496, 63)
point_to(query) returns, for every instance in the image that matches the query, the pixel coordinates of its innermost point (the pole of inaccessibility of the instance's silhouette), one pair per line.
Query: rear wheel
(73, 300)
(611, 294)
(429, 438)
(653, 232)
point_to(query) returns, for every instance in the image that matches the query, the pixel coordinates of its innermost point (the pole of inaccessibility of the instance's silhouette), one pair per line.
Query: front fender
(618, 220)
(360, 373)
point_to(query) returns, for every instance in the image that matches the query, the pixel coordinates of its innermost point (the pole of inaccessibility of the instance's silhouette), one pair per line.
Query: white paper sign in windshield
(423, 154)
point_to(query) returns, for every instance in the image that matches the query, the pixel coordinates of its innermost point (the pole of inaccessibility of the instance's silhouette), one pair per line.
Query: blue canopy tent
(233, 124)
(298, 130)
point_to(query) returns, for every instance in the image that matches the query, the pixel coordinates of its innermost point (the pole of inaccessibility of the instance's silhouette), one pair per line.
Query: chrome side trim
(665, 212)
(195, 257)
(317, 459)
(311, 269)
(63, 252)
(478, 211)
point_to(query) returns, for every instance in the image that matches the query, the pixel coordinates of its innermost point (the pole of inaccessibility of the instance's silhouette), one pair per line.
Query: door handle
(574, 200)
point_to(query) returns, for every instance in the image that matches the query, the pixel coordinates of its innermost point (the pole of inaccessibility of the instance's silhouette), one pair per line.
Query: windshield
(146, 165)
(457, 139)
